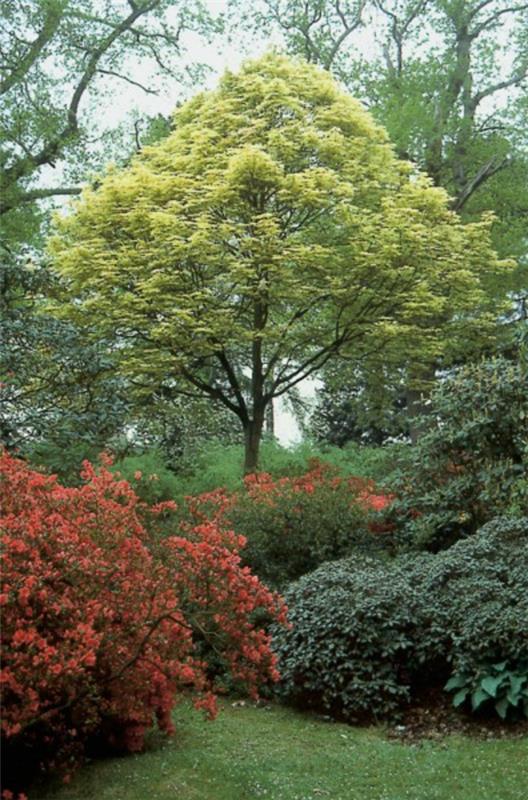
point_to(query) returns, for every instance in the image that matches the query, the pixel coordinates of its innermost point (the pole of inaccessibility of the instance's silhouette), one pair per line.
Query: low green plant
(62, 459)
(149, 476)
(219, 465)
(498, 684)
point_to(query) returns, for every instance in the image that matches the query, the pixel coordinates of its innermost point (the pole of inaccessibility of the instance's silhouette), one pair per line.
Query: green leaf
(478, 697)
(516, 682)
(460, 696)
(502, 707)
(500, 667)
(513, 697)
(491, 683)
(456, 682)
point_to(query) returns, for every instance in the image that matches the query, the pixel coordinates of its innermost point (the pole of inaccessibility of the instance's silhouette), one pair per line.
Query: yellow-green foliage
(276, 213)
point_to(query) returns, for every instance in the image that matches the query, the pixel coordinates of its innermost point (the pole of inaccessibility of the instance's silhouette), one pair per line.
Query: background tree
(57, 56)
(273, 228)
(445, 77)
(367, 406)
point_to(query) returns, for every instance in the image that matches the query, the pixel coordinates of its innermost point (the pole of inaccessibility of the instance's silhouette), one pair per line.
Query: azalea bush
(104, 621)
(293, 524)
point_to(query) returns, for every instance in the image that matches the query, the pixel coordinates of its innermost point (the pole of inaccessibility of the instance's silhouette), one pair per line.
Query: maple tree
(271, 231)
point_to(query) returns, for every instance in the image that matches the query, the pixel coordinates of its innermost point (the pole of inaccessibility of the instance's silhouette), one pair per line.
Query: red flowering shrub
(103, 624)
(293, 524)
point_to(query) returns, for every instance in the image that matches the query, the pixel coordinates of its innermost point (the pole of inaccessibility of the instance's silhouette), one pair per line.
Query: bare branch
(515, 80)
(348, 28)
(128, 80)
(38, 194)
(484, 173)
(487, 23)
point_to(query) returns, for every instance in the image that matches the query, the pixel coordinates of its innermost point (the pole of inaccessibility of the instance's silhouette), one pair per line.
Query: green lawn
(280, 754)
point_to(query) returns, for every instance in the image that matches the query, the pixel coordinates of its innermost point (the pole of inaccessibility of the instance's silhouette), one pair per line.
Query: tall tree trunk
(252, 438)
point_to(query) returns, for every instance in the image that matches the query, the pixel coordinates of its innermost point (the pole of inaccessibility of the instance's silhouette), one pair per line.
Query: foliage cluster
(472, 463)
(506, 688)
(292, 524)
(295, 524)
(104, 625)
(367, 635)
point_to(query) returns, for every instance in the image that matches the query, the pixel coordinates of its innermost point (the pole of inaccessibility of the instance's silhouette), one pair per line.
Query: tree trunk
(270, 419)
(418, 405)
(252, 437)
(416, 410)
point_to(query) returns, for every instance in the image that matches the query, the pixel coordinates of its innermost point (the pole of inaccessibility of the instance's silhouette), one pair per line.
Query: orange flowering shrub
(293, 524)
(102, 623)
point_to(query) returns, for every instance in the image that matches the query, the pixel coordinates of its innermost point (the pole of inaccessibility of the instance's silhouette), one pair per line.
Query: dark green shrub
(368, 635)
(352, 639)
(472, 465)
(477, 591)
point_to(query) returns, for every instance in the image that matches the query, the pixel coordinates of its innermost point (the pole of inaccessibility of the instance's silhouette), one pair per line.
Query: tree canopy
(271, 231)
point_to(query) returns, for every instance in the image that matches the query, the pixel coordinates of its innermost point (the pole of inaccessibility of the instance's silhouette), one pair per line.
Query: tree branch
(38, 194)
(497, 87)
(484, 173)
(25, 166)
(128, 80)
(494, 17)
(51, 23)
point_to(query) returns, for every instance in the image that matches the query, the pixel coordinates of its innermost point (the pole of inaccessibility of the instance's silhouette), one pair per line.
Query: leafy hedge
(368, 634)
(472, 464)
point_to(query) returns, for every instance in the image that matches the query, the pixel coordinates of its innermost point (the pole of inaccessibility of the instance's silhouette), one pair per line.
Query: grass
(281, 754)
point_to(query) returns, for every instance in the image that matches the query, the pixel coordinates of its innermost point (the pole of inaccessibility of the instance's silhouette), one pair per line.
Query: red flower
(108, 630)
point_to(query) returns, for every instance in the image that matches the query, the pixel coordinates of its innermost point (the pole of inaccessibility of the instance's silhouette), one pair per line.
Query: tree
(58, 390)
(272, 229)
(57, 55)
(363, 405)
(57, 59)
(446, 78)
